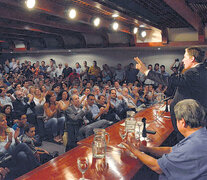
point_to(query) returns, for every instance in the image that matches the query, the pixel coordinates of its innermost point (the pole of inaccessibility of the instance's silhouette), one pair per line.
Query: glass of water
(83, 164)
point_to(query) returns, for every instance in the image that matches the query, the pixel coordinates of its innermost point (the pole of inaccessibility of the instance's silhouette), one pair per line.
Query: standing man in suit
(192, 84)
(74, 120)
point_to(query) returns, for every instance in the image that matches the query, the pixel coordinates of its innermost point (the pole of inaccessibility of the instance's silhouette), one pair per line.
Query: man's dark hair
(197, 52)
(90, 95)
(28, 127)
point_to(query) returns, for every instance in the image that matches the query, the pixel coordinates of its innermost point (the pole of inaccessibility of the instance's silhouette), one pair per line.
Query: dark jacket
(190, 85)
(20, 108)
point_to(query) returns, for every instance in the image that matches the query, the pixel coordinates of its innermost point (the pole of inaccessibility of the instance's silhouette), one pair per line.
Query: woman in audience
(39, 98)
(22, 158)
(63, 102)
(43, 90)
(7, 110)
(51, 109)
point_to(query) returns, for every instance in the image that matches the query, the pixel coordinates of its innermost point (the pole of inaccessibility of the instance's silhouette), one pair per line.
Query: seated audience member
(118, 88)
(118, 104)
(96, 92)
(93, 118)
(39, 98)
(24, 106)
(29, 138)
(56, 89)
(20, 123)
(74, 120)
(109, 113)
(7, 110)
(106, 90)
(150, 96)
(23, 160)
(63, 102)
(137, 99)
(52, 121)
(128, 99)
(187, 159)
(5, 98)
(25, 88)
(83, 98)
(73, 76)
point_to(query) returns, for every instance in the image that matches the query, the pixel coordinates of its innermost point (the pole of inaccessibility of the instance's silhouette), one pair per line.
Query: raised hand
(140, 65)
(16, 134)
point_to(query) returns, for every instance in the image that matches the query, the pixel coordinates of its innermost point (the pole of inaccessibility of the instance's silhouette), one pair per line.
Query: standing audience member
(94, 71)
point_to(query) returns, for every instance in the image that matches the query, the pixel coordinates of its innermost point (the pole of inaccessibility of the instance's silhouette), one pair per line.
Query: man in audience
(118, 104)
(93, 118)
(131, 73)
(24, 106)
(192, 84)
(163, 72)
(5, 99)
(84, 73)
(74, 120)
(119, 74)
(66, 71)
(59, 70)
(187, 159)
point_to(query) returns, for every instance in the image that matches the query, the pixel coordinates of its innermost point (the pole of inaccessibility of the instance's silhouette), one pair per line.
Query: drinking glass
(122, 133)
(83, 164)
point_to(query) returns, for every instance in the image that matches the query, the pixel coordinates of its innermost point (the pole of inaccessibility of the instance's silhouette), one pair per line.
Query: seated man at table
(93, 118)
(186, 160)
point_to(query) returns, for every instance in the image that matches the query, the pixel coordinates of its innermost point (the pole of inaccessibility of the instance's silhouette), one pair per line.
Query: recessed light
(115, 15)
(72, 13)
(115, 26)
(30, 3)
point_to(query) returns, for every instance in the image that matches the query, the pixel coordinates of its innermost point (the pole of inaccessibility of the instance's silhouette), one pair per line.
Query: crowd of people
(41, 102)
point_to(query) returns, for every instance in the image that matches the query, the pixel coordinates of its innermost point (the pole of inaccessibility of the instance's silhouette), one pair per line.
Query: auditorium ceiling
(48, 26)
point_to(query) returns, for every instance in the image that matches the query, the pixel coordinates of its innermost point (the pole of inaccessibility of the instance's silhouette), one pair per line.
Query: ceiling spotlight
(115, 15)
(115, 26)
(96, 22)
(30, 3)
(72, 13)
(143, 34)
(135, 30)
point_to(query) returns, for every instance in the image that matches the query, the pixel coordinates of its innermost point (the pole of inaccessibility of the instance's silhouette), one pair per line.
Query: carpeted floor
(51, 147)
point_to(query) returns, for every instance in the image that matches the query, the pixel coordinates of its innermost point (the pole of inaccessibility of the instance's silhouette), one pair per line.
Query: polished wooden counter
(116, 165)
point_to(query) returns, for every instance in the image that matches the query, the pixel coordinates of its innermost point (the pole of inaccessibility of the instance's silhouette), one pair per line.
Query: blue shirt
(188, 159)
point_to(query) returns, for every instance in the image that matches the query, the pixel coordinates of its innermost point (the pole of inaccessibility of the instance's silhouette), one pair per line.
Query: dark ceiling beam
(55, 9)
(183, 10)
(171, 44)
(36, 18)
(197, 1)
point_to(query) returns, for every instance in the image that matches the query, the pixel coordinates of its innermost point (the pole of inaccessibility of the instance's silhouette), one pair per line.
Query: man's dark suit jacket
(20, 108)
(190, 85)
(74, 120)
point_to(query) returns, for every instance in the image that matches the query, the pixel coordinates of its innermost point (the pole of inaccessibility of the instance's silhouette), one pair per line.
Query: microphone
(145, 131)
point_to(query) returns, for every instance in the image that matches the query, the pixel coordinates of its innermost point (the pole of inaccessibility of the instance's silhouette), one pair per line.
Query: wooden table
(116, 165)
